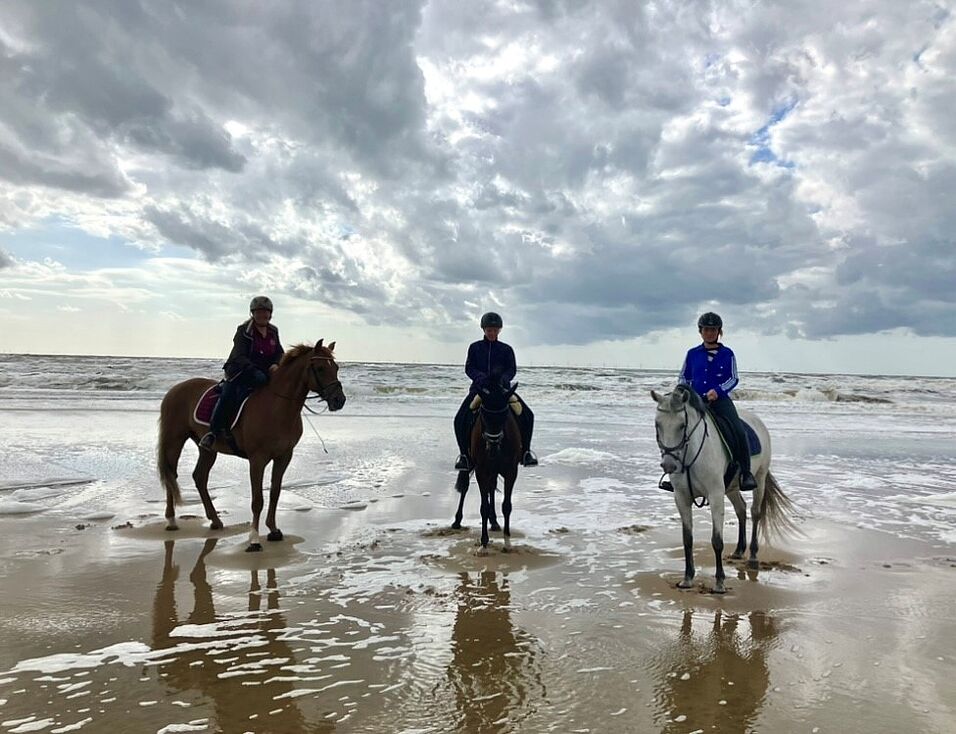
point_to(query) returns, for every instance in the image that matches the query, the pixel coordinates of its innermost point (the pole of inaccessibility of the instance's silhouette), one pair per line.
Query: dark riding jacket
(252, 350)
(488, 359)
(703, 372)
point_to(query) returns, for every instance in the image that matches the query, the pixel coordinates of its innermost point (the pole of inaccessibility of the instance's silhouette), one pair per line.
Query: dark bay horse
(495, 451)
(268, 430)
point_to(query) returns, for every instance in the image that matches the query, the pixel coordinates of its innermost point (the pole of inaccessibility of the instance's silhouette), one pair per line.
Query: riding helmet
(491, 319)
(709, 319)
(260, 302)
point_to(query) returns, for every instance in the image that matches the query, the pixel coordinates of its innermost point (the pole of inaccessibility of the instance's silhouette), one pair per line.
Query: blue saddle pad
(752, 438)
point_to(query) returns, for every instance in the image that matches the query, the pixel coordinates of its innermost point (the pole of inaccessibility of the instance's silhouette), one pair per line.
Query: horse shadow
(717, 680)
(238, 706)
(494, 671)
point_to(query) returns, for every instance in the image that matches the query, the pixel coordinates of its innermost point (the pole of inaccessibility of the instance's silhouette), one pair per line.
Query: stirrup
(666, 485)
(463, 463)
(529, 459)
(748, 482)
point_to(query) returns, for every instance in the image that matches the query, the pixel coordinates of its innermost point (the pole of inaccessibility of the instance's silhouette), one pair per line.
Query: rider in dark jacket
(711, 370)
(491, 359)
(255, 355)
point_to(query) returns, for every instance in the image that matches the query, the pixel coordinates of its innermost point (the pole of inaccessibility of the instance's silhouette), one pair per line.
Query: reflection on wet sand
(716, 681)
(494, 671)
(234, 675)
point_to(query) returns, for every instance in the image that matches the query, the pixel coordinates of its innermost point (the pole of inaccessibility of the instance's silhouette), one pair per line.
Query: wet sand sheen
(409, 624)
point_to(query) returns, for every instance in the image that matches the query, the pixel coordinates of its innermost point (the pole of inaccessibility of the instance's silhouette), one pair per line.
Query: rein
(682, 446)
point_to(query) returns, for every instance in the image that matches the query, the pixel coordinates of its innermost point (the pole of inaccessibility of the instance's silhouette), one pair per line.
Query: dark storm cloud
(609, 165)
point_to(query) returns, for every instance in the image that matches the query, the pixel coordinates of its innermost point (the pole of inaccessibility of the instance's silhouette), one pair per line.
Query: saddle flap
(202, 413)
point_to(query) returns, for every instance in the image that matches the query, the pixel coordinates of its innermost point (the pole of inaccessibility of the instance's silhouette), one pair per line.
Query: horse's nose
(668, 465)
(338, 402)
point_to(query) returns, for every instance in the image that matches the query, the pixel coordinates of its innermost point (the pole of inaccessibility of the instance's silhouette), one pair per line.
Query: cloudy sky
(599, 173)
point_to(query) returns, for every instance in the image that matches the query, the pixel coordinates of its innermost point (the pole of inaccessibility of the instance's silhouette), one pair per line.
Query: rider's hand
(711, 395)
(273, 368)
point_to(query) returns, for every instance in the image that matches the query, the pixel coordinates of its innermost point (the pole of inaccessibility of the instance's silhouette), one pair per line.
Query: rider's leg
(725, 408)
(462, 424)
(220, 413)
(526, 424)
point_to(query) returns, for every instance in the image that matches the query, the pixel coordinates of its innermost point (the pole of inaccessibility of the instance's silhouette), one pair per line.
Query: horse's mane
(294, 353)
(693, 399)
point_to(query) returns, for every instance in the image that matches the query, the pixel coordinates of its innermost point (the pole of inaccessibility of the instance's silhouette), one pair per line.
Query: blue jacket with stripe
(705, 374)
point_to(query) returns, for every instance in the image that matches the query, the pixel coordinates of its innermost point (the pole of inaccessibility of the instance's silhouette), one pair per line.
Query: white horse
(695, 459)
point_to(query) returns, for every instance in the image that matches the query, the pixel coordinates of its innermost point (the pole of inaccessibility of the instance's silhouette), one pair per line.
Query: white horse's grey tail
(776, 513)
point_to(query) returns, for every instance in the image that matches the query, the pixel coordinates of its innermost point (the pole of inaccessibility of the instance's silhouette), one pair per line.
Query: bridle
(321, 393)
(323, 390)
(682, 447)
(493, 440)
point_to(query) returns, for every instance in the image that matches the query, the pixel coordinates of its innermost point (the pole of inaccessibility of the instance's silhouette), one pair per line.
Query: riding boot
(526, 426)
(462, 429)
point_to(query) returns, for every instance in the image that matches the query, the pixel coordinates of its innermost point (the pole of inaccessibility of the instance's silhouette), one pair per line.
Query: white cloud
(600, 171)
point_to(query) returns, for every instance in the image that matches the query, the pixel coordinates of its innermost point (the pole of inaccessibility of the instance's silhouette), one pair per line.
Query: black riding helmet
(260, 302)
(709, 319)
(491, 319)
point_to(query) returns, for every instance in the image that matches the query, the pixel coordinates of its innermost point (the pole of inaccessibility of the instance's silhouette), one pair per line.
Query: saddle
(513, 403)
(202, 413)
(728, 440)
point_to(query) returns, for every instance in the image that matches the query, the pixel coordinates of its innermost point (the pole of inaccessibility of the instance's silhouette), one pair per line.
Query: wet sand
(372, 615)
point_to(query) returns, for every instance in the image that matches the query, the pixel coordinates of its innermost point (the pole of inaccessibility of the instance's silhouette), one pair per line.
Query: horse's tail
(776, 511)
(168, 448)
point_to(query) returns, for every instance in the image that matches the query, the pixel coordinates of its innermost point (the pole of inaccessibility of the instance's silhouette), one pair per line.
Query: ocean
(876, 450)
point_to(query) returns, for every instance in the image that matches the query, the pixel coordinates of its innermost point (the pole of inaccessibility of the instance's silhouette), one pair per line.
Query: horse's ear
(318, 343)
(656, 396)
(331, 346)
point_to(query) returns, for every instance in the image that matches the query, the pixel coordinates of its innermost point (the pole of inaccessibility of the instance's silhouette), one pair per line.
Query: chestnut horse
(496, 450)
(268, 430)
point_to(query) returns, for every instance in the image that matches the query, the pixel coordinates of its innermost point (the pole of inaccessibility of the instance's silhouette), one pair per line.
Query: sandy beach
(372, 615)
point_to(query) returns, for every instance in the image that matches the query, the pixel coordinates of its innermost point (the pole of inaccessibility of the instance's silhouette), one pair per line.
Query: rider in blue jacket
(711, 370)
(491, 359)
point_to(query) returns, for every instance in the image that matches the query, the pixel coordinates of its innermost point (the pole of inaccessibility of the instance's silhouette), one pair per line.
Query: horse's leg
(485, 501)
(170, 449)
(462, 491)
(756, 515)
(279, 466)
(685, 507)
(506, 502)
(257, 468)
(717, 537)
(201, 478)
(492, 516)
(740, 507)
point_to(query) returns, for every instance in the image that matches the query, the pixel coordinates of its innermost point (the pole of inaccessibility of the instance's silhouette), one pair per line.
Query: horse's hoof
(753, 563)
(495, 527)
(719, 589)
(254, 548)
(482, 551)
(274, 535)
(456, 525)
(216, 525)
(685, 584)
(737, 555)
(172, 527)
